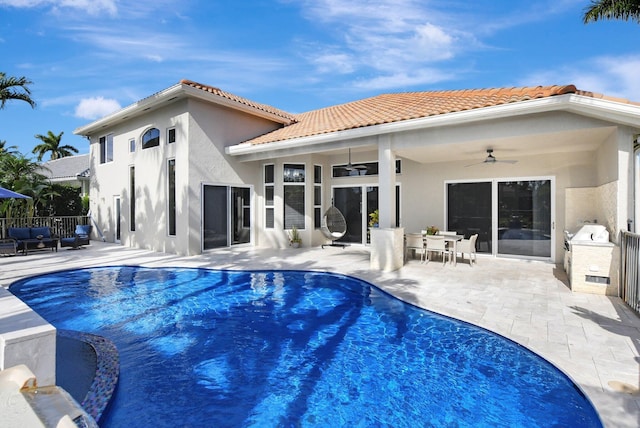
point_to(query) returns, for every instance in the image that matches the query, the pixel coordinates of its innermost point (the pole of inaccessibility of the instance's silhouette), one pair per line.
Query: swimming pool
(291, 348)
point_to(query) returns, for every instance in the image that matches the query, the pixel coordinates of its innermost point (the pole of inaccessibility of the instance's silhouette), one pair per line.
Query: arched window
(151, 138)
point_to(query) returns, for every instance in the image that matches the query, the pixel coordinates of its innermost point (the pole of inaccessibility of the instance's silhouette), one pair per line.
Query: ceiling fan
(351, 167)
(490, 159)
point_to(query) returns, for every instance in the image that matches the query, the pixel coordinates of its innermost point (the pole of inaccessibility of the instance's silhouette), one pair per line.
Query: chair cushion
(67, 241)
(44, 231)
(83, 229)
(19, 233)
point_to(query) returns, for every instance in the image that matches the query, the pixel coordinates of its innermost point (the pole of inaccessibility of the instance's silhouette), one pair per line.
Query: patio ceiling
(470, 150)
(511, 148)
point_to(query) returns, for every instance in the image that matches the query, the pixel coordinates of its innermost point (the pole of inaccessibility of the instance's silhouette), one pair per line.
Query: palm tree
(51, 143)
(4, 149)
(23, 176)
(15, 88)
(612, 9)
(17, 168)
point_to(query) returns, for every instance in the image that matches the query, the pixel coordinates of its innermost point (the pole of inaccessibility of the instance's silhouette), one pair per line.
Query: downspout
(631, 223)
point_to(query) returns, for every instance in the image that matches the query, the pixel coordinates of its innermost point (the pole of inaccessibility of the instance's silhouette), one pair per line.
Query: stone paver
(593, 339)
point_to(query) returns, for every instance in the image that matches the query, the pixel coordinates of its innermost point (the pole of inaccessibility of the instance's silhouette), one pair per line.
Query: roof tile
(219, 92)
(395, 107)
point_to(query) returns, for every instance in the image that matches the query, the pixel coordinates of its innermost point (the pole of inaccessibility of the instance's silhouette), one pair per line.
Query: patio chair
(8, 247)
(437, 244)
(334, 226)
(468, 246)
(80, 237)
(415, 244)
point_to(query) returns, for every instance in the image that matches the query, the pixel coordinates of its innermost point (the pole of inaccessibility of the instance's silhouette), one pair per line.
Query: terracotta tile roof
(388, 108)
(264, 107)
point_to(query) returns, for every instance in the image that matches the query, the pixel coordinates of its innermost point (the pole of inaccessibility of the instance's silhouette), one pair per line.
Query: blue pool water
(291, 348)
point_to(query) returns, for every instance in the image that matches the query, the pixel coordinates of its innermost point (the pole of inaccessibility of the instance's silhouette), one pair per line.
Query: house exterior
(193, 167)
(69, 171)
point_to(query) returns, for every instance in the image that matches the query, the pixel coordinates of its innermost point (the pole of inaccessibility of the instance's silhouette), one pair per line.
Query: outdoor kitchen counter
(593, 267)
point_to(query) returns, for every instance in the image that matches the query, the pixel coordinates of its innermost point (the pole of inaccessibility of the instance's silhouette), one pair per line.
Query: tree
(612, 9)
(51, 143)
(15, 88)
(4, 149)
(16, 169)
(21, 175)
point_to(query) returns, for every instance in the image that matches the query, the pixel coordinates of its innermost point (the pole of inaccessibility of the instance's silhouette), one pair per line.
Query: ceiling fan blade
(490, 159)
(474, 164)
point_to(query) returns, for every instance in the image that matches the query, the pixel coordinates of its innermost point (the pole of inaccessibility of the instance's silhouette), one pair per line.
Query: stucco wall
(201, 137)
(112, 179)
(211, 129)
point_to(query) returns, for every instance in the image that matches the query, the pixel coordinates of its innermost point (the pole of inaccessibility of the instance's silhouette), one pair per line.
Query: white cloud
(387, 39)
(132, 44)
(96, 107)
(610, 75)
(92, 7)
(333, 62)
(424, 76)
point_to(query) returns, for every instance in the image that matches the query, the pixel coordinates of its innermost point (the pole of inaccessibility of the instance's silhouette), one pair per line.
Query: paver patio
(594, 339)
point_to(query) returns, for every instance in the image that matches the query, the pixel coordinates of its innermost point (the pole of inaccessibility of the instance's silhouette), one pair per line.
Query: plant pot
(295, 244)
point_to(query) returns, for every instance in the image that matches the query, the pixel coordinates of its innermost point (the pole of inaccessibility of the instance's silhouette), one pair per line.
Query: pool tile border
(105, 379)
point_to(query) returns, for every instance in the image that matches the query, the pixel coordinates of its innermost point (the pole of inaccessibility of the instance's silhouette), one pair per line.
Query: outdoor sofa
(33, 238)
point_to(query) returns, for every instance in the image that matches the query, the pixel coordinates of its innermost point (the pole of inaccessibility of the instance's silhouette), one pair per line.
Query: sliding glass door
(226, 216)
(350, 201)
(469, 211)
(524, 218)
(511, 217)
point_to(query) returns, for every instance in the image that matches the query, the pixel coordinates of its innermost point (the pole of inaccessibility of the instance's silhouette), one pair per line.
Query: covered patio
(595, 339)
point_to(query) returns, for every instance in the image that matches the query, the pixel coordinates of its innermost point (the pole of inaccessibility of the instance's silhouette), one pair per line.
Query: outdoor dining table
(451, 240)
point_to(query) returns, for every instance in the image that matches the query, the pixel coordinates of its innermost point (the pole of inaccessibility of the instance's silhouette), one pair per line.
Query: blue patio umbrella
(6, 193)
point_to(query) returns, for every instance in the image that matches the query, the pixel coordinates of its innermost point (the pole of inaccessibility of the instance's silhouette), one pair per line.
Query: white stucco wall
(201, 136)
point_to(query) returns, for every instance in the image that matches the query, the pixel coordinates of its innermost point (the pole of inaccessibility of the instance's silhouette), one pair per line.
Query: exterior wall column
(386, 182)
(626, 182)
(387, 241)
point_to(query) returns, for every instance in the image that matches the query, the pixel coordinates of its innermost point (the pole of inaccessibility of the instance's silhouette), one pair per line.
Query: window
(132, 198)
(151, 138)
(371, 168)
(268, 196)
(171, 186)
(171, 135)
(132, 145)
(294, 182)
(106, 149)
(317, 196)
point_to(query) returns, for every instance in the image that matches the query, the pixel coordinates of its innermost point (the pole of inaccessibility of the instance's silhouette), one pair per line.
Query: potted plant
(432, 230)
(294, 237)
(374, 218)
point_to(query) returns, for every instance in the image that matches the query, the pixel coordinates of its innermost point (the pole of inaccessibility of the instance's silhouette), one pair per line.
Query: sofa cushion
(44, 231)
(19, 233)
(83, 229)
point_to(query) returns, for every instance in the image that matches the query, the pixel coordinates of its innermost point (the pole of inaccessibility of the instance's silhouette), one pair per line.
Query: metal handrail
(61, 226)
(630, 269)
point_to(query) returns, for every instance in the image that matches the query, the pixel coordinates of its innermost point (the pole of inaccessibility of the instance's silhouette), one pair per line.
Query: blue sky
(87, 58)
